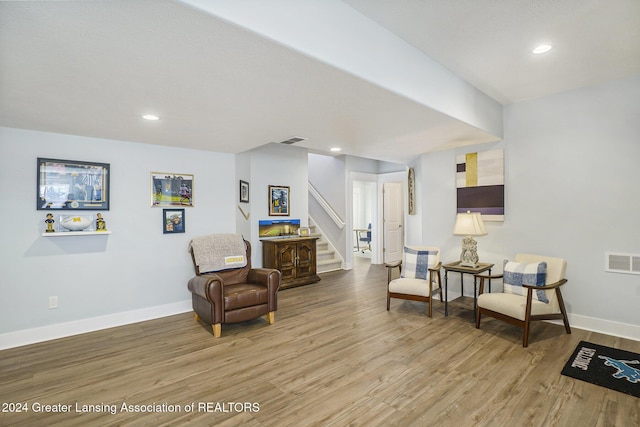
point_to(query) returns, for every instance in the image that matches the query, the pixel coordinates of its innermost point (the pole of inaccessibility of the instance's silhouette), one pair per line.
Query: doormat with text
(605, 366)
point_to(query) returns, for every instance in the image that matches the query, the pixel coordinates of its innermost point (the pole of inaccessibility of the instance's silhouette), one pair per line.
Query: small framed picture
(278, 200)
(244, 192)
(173, 221)
(170, 189)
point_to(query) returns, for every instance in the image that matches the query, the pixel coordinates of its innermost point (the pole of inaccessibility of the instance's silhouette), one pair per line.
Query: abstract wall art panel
(480, 184)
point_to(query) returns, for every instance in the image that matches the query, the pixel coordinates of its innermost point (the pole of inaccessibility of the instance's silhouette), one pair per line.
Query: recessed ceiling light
(543, 48)
(150, 117)
(335, 149)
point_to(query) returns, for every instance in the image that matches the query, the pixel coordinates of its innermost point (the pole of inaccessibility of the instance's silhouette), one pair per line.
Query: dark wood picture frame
(279, 200)
(244, 191)
(72, 185)
(173, 221)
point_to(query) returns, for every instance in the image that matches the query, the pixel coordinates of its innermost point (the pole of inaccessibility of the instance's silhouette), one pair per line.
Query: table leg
(475, 297)
(446, 294)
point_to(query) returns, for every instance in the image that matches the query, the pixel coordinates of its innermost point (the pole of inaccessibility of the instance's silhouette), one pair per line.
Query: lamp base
(469, 254)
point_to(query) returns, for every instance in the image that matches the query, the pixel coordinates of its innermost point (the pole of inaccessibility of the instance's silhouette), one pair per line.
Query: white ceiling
(92, 68)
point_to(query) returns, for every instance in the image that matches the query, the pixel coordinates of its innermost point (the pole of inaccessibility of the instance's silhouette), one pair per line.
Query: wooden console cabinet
(294, 257)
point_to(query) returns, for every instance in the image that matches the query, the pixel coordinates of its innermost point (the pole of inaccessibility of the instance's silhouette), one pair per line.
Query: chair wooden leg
(430, 307)
(217, 330)
(527, 318)
(525, 335)
(271, 317)
(565, 318)
(388, 301)
(478, 318)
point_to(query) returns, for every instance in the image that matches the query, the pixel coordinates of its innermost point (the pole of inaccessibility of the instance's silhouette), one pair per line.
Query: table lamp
(469, 224)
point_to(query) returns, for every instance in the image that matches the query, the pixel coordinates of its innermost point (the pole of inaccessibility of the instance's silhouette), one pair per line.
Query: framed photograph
(72, 185)
(173, 221)
(170, 189)
(244, 192)
(278, 200)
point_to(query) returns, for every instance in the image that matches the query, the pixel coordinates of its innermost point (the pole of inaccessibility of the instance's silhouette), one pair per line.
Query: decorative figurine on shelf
(101, 224)
(49, 222)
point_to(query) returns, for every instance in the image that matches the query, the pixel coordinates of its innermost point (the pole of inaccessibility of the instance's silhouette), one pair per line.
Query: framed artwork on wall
(173, 221)
(170, 189)
(480, 184)
(244, 192)
(411, 189)
(72, 185)
(278, 200)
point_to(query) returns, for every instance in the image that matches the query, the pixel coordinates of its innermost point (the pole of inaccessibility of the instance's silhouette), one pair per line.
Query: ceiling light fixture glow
(335, 149)
(543, 48)
(150, 117)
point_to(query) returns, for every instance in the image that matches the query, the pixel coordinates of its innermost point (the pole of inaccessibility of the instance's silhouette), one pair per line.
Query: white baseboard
(608, 327)
(61, 330)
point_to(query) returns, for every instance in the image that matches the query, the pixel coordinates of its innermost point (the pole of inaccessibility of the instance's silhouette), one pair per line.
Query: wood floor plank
(334, 357)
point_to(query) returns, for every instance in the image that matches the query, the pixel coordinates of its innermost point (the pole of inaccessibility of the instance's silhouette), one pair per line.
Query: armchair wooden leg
(478, 318)
(217, 330)
(525, 335)
(196, 317)
(565, 318)
(388, 301)
(271, 317)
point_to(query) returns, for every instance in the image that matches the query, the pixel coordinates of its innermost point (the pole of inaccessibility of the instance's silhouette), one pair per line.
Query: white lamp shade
(469, 224)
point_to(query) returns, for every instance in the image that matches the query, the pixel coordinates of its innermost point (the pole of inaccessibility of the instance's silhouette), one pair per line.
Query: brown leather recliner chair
(234, 295)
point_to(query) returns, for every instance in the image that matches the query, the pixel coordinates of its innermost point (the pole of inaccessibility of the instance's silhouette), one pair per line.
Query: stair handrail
(326, 206)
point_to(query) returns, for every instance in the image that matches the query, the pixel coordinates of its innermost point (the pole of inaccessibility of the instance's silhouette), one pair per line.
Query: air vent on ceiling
(292, 140)
(623, 263)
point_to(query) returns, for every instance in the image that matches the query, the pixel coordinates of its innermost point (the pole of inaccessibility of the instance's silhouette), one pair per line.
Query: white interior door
(393, 217)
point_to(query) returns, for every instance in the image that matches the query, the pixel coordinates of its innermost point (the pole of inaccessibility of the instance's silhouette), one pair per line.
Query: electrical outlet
(53, 302)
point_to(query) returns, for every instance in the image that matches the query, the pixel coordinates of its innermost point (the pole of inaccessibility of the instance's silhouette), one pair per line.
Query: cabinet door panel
(306, 259)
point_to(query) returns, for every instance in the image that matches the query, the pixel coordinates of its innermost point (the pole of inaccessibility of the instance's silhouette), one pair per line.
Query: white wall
(136, 268)
(571, 190)
(243, 172)
(277, 164)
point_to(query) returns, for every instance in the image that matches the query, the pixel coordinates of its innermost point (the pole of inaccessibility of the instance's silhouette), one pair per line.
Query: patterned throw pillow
(516, 274)
(416, 263)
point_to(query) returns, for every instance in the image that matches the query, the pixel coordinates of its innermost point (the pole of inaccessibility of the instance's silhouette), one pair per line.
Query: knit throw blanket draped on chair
(217, 252)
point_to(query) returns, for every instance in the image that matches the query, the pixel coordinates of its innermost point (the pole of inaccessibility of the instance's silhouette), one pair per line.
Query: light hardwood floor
(334, 357)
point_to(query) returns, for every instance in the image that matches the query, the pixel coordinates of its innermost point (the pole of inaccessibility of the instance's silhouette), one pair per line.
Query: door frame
(377, 238)
(382, 179)
(350, 235)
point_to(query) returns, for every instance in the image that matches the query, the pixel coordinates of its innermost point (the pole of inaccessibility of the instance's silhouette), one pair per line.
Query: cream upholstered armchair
(531, 291)
(419, 276)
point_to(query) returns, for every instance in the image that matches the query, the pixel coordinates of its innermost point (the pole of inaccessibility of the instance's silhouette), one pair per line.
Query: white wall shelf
(75, 233)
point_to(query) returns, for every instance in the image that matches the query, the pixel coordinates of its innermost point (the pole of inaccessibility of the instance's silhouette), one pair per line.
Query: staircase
(326, 257)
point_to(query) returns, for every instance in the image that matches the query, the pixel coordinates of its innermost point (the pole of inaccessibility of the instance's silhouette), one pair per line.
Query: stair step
(324, 255)
(326, 259)
(328, 265)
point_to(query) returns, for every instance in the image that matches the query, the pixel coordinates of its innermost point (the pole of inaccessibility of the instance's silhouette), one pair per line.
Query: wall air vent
(623, 263)
(292, 140)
